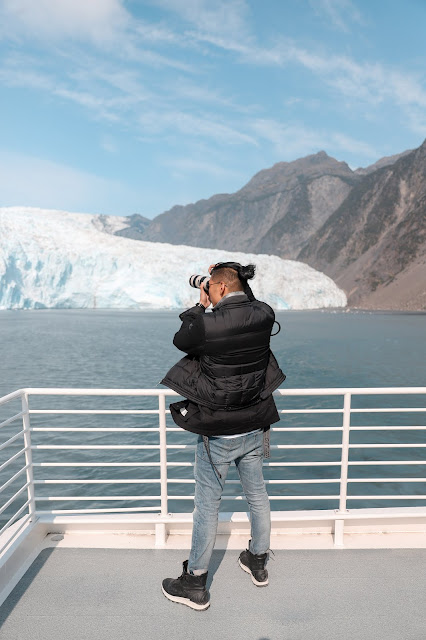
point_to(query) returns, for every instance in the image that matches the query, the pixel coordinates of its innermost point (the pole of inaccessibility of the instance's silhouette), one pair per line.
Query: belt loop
(266, 442)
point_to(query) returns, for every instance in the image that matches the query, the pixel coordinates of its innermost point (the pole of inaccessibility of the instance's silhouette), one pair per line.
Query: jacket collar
(232, 296)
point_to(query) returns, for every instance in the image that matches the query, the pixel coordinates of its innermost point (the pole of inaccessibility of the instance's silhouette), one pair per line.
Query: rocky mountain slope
(276, 212)
(374, 244)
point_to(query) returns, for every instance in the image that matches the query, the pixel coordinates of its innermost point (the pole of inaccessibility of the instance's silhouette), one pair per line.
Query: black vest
(230, 372)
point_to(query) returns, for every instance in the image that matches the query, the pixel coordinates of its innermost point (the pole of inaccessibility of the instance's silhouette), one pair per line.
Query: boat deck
(313, 594)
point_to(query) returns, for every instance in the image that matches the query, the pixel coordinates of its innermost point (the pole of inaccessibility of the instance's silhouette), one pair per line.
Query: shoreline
(181, 309)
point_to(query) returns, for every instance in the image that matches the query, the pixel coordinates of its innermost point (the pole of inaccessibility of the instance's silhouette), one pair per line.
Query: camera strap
(279, 328)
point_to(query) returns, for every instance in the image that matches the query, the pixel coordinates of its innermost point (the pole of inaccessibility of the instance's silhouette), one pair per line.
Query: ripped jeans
(247, 452)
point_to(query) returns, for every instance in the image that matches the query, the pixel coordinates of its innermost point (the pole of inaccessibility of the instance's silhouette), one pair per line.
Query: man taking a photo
(227, 379)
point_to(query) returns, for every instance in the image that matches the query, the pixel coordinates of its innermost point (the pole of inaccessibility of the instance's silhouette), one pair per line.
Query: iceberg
(57, 259)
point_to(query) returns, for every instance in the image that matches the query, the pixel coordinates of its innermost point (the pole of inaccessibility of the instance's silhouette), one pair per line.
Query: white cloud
(37, 182)
(221, 16)
(292, 140)
(368, 82)
(96, 20)
(204, 125)
(338, 13)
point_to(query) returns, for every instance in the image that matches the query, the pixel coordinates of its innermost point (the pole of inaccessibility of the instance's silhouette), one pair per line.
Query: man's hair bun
(247, 272)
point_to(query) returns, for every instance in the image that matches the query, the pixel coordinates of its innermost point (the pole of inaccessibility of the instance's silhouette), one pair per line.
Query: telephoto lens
(195, 281)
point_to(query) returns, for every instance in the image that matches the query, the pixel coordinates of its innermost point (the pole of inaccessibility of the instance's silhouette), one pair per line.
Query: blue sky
(117, 107)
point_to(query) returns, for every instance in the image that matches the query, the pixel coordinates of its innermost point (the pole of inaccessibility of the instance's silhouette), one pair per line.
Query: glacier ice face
(56, 259)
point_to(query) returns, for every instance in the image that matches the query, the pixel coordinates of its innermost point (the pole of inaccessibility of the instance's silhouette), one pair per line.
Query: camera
(196, 281)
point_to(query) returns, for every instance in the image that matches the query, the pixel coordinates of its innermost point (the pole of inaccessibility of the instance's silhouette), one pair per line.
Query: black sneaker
(255, 566)
(188, 589)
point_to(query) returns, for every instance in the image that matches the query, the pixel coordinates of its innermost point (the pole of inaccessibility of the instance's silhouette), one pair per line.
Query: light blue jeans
(247, 452)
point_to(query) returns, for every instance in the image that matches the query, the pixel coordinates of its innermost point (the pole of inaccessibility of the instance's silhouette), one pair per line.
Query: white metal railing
(31, 512)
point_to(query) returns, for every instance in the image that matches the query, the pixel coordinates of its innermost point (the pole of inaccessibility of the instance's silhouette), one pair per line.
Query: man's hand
(204, 298)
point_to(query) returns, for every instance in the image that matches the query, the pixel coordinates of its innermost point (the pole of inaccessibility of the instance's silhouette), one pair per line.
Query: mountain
(374, 244)
(56, 259)
(276, 212)
(137, 226)
(383, 162)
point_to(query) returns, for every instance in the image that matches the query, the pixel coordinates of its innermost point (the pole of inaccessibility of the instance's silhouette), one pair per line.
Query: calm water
(133, 349)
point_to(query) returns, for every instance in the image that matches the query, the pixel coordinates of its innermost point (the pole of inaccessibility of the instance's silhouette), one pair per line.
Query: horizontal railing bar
(13, 478)
(190, 480)
(310, 411)
(97, 446)
(278, 429)
(101, 464)
(275, 429)
(303, 497)
(404, 428)
(169, 464)
(16, 495)
(12, 439)
(383, 497)
(374, 462)
(95, 411)
(114, 429)
(44, 498)
(396, 444)
(176, 446)
(9, 420)
(367, 391)
(190, 464)
(15, 533)
(121, 481)
(387, 479)
(170, 497)
(301, 464)
(9, 522)
(110, 464)
(77, 391)
(227, 497)
(11, 396)
(111, 510)
(10, 460)
(326, 391)
(175, 481)
(390, 410)
(286, 497)
(179, 429)
(189, 447)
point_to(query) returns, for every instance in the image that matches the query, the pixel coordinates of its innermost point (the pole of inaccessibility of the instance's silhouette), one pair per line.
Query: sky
(133, 106)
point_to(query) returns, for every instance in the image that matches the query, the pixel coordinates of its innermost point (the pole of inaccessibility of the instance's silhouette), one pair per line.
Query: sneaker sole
(253, 579)
(187, 601)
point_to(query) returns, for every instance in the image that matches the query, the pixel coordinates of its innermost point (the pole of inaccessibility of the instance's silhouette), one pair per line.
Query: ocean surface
(100, 348)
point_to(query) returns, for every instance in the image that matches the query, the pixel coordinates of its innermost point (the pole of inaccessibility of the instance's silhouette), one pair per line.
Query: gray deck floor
(115, 594)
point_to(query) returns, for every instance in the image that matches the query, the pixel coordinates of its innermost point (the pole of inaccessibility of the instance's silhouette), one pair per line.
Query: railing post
(28, 457)
(160, 528)
(339, 524)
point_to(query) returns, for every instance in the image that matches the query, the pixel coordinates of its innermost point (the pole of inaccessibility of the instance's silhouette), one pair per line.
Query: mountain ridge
(300, 193)
(375, 242)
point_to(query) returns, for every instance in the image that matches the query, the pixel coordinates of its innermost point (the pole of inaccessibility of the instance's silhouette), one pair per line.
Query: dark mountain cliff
(276, 212)
(374, 244)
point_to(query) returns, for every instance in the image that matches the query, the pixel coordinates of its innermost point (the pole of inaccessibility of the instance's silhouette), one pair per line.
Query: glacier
(57, 259)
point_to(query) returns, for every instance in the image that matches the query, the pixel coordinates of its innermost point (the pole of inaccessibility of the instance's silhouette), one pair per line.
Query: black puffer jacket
(230, 372)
